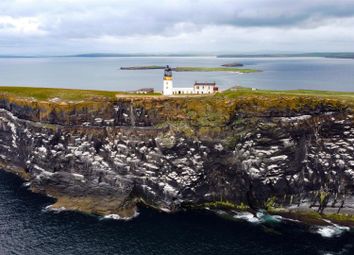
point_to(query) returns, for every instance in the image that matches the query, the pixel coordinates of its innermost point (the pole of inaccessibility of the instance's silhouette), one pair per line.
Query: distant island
(224, 68)
(232, 65)
(142, 67)
(114, 55)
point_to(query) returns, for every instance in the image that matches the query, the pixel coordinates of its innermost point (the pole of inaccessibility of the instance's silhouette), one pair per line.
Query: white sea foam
(332, 230)
(260, 217)
(165, 210)
(26, 184)
(328, 231)
(289, 219)
(50, 208)
(222, 212)
(276, 218)
(117, 217)
(112, 217)
(248, 217)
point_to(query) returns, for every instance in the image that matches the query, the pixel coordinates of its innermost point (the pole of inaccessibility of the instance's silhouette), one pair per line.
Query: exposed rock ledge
(171, 154)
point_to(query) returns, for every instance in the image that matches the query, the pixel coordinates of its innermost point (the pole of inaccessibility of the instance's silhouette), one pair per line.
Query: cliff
(288, 154)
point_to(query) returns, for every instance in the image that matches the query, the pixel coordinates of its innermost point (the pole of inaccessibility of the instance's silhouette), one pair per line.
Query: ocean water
(27, 229)
(104, 73)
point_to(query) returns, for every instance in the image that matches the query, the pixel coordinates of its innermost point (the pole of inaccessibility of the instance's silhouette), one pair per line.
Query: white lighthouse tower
(167, 82)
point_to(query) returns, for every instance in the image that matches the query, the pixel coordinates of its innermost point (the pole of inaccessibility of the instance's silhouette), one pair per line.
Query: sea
(105, 74)
(27, 227)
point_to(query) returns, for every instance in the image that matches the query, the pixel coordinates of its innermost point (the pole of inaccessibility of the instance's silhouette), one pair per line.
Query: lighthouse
(167, 82)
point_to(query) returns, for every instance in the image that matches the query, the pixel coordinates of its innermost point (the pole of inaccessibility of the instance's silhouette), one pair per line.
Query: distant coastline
(141, 67)
(342, 55)
(224, 68)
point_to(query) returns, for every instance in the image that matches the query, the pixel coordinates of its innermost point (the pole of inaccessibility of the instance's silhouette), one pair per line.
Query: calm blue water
(104, 73)
(26, 229)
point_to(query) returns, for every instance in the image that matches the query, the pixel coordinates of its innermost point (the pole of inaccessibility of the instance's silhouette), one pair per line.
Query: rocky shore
(290, 155)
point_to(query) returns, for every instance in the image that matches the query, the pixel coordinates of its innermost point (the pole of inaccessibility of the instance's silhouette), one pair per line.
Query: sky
(57, 27)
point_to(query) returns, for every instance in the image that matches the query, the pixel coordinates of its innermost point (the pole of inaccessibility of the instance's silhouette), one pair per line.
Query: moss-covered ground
(205, 115)
(241, 91)
(63, 94)
(78, 94)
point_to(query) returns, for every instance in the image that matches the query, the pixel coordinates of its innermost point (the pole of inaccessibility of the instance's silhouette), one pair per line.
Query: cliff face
(288, 154)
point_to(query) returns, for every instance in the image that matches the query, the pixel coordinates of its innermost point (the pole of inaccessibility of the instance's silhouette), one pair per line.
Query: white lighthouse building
(168, 82)
(198, 88)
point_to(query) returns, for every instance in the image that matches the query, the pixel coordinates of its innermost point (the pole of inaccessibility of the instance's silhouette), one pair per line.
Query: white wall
(167, 87)
(183, 91)
(203, 89)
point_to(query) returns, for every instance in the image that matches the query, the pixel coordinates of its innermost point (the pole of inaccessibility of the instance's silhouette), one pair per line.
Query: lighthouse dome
(168, 71)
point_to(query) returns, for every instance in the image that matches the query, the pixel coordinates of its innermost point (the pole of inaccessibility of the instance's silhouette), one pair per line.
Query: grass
(340, 217)
(63, 94)
(100, 95)
(222, 205)
(301, 92)
(234, 93)
(214, 69)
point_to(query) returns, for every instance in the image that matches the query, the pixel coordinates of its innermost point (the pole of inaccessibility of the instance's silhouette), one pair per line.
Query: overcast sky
(174, 26)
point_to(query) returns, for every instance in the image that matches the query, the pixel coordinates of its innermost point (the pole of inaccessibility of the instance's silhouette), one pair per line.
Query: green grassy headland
(79, 95)
(241, 91)
(63, 94)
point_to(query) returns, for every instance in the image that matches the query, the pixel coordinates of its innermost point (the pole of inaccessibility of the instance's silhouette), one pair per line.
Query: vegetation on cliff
(243, 91)
(61, 94)
(206, 115)
(78, 94)
(51, 93)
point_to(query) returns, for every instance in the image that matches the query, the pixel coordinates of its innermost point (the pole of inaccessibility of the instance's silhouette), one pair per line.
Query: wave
(332, 230)
(328, 231)
(26, 184)
(50, 208)
(250, 217)
(117, 217)
(259, 217)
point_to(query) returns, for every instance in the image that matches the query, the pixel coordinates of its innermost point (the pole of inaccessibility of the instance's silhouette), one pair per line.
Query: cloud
(20, 26)
(88, 25)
